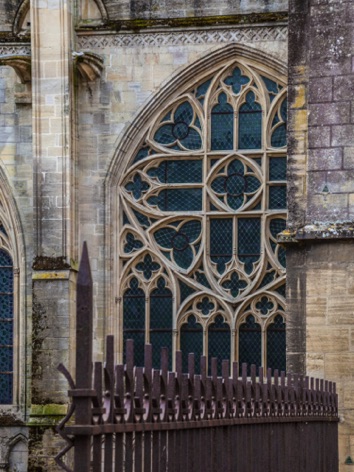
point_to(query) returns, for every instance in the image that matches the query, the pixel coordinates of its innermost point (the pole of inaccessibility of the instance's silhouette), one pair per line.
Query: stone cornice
(276, 32)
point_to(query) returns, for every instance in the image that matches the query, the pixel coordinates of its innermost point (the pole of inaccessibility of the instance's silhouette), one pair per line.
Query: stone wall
(321, 138)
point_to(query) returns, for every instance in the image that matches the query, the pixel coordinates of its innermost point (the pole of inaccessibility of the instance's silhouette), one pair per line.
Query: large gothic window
(201, 203)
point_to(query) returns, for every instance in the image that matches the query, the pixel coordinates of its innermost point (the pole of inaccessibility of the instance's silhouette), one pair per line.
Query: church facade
(204, 152)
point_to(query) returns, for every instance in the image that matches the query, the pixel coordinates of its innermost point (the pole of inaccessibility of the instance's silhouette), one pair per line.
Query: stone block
(319, 137)
(342, 135)
(320, 89)
(329, 113)
(326, 158)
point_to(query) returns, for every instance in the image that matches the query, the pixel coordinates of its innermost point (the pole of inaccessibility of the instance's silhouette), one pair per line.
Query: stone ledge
(317, 232)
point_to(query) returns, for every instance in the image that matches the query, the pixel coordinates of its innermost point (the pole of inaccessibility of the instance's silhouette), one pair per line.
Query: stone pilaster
(54, 183)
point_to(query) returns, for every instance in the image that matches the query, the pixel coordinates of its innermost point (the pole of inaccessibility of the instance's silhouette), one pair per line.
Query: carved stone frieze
(164, 38)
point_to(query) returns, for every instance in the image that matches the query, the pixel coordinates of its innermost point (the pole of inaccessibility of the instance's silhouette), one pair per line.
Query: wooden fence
(139, 419)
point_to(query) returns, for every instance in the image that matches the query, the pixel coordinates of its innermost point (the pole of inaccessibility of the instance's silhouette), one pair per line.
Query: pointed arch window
(201, 202)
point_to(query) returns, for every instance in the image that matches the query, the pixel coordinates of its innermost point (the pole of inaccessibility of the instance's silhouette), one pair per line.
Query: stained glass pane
(6, 389)
(174, 172)
(249, 241)
(222, 125)
(6, 327)
(178, 200)
(161, 322)
(276, 344)
(276, 226)
(185, 291)
(277, 168)
(250, 124)
(191, 341)
(236, 80)
(281, 290)
(221, 242)
(219, 342)
(279, 136)
(277, 197)
(250, 343)
(134, 320)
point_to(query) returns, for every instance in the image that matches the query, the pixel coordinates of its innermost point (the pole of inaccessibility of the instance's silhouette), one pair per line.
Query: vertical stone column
(53, 166)
(321, 260)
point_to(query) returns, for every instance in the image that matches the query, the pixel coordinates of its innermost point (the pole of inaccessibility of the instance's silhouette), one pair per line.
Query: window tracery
(201, 202)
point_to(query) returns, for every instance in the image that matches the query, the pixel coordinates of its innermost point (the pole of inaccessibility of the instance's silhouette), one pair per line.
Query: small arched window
(201, 202)
(6, 326)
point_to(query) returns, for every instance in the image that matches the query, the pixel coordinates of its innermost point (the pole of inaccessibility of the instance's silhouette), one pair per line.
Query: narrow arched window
(250, 342)
(201, 198)
(276, 344)
(6, 327)
(191, 341)
(134, 319)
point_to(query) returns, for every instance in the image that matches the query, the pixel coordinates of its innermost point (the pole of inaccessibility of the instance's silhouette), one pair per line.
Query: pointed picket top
(84, 276)
(84, 324)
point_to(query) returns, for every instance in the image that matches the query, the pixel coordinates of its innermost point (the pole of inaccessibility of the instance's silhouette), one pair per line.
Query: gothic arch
(20, 16)
(12, 243)
(240, 80)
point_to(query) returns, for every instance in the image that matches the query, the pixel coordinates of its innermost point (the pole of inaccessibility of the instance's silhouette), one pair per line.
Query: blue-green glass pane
(202, 90)
(147, 266)
(158, 340)
(236, 80)
(221, 239)
(249, 241)
(161, 308)
(164, 135)
(5, 259)
(6, 381)
(265, 305)
(282, 256)
(271, 85)
(6, 306)
(279, 136)
(134, 320)
(192, 140)
(281, 290)
(277, 197)
(277, 168)
(234, 284)
(6, 354)
(219, 342)
(142, 219)
(6, 280)
(137, 186)
(250, 343)
(6, 332)
(184, 113)
(132, 244)
(267, 279)
(185, 291)
(250, 124)
(178, 172)
(178, 200)
(222, 125)
(184, 258)
(276, 226)
(191, 341)
(276, 344)
(284, 110)
(141, 154)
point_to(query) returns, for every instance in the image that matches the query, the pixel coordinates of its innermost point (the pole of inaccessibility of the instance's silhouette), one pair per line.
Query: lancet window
(201, 203)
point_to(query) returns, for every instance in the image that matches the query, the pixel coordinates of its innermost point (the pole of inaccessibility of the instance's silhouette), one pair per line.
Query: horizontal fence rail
(141, 419)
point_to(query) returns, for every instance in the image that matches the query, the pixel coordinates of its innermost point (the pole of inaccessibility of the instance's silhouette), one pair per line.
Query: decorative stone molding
(318, 232)
(20, 63)
(89, 65)
(167, 38)
(16, 49)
